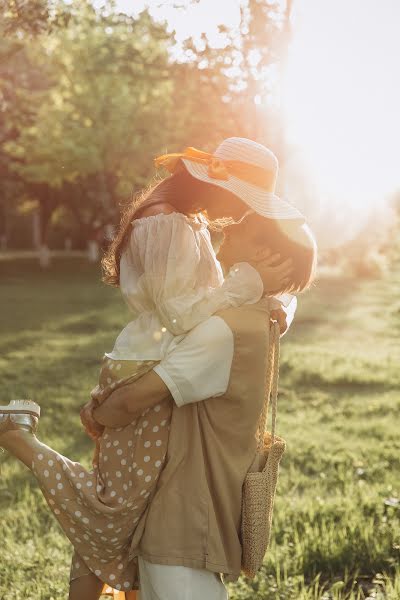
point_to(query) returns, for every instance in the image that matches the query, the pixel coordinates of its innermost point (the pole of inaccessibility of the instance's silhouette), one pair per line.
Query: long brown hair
(188, 195)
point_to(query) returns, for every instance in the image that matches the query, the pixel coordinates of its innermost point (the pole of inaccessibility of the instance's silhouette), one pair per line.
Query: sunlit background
(341, 102)
(316, 80)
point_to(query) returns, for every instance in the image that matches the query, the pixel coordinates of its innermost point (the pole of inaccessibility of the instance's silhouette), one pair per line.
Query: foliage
(89, 96)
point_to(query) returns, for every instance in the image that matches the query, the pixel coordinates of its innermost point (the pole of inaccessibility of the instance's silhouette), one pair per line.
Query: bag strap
(271, 384)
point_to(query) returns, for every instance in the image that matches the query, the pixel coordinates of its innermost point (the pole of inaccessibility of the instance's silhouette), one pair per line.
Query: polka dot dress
(99, 509)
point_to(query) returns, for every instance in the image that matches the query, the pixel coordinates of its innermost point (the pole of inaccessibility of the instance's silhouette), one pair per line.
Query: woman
(185, 194)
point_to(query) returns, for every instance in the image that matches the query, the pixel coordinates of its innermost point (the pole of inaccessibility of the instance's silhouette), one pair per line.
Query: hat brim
(264, 203)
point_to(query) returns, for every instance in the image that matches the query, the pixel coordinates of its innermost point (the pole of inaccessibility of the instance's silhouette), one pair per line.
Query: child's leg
(22, 444)
(88, 587)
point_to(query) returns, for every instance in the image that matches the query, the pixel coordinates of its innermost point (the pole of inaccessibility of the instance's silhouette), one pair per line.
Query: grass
(336, 532)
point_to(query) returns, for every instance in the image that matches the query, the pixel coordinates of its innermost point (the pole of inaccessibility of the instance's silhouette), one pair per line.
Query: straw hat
(247, 169)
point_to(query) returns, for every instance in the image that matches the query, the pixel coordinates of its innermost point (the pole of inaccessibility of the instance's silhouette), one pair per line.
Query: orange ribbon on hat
(218, 168)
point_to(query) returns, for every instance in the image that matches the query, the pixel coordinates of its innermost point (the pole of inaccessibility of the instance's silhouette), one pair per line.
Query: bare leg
(87, 587)
(22, 444)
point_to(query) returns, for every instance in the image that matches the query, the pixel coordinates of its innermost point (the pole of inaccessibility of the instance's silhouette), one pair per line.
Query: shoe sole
(17, 407)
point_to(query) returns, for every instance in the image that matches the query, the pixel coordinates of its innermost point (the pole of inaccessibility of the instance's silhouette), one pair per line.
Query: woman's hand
(275, 275)
(113, 412)
(279, 315)
(92, 427)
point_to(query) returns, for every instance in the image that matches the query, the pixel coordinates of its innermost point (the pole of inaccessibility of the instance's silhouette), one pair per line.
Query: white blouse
(172, 281)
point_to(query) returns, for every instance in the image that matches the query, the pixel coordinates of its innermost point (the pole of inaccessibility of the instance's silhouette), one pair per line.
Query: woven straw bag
(260, 482)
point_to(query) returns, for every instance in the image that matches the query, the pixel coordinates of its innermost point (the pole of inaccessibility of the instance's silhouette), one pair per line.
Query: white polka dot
(139, 472)
(119, 452)
(125, 487)
(158, 463)
(40, 456)
(109, 483)
(123, 462)
(97, 572)
(77, 565)
(120, 566)
(118, 474)
(85, 558)
(63, 506)
(86, 537)
(53, 492)
(111, 577)
(56, 511)
(89, 484)
(98, 488)
(85, 520)
(145, 423)
(156, 428)
(105, 458)
(130, 443)
(118, 366)
(72, 530)
(116, 443)
(58, 476)
(109, 380)
(46, 473)
(146, 458)
(158, 443)
(163, 423)
(103, 538)
(113, 494)
(51, 501)
(147, 444)
(110, 526)
(147, 478)
(60, 486)
(79, 485)
(98, 530)
(78, 513)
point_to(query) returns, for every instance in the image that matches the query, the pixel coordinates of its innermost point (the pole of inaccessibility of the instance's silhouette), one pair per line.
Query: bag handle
(271, 384)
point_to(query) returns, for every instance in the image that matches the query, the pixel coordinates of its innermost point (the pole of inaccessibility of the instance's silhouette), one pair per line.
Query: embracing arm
(196, 369)
(129, 401)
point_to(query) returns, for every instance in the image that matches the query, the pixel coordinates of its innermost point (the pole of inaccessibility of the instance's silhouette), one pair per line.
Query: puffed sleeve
(181, 274)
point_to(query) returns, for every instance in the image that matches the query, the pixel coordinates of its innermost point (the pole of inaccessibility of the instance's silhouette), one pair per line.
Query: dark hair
(187, 194)
(291, 239)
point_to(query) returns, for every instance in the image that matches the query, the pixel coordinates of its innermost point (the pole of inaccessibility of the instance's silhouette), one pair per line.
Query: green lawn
(337, 516)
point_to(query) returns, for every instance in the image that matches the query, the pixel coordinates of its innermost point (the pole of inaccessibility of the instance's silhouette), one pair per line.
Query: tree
(109, 87)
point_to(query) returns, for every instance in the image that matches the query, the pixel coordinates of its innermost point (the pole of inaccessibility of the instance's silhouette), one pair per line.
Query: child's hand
(92, 427)
(275, 275)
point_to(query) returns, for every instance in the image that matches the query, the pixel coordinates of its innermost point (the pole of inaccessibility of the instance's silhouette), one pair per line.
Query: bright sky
(342, 96)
